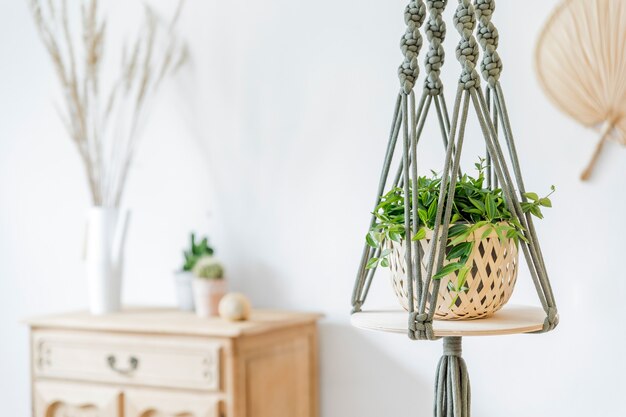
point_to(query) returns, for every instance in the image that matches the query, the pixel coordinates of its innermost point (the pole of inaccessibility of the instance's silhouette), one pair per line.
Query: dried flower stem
(97, 120)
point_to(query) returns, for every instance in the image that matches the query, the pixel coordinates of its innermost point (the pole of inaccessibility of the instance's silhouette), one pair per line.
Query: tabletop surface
(512, 319)
(160, 320)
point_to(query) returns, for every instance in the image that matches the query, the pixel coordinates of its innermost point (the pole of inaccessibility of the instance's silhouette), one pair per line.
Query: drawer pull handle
(133, 364)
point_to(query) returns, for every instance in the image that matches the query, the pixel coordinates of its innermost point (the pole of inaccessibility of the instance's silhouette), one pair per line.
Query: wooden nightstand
(152, 362)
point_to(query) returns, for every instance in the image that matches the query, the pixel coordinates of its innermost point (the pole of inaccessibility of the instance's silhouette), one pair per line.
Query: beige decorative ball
(234, 307)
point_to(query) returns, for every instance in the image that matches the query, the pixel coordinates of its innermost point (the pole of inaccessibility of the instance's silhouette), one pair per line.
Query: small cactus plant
(196, 251)
(208, 267)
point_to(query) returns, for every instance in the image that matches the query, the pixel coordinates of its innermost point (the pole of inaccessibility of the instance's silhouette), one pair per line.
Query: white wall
(272, 141)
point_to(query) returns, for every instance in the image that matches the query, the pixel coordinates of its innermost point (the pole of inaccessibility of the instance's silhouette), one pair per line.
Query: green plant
(208, 267)
(474, 207)
(196, 251)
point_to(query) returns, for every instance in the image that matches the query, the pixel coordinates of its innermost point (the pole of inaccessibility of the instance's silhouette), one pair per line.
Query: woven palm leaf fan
(581, 65)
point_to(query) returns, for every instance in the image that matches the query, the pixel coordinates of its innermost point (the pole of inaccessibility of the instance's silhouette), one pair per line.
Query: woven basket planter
(490, 281)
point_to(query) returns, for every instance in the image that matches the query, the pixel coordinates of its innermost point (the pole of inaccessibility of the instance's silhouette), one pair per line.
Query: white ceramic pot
(184, 293)
(207, 294)
(104, 245)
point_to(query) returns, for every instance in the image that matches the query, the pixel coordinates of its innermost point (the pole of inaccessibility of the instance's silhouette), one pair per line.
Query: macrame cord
(473, 21)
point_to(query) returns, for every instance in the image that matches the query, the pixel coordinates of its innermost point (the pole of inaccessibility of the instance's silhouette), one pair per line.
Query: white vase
(104, 245)
(207, 294)
(184, 293)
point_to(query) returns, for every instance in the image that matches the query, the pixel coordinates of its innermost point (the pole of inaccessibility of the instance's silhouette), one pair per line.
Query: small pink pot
(207, 294)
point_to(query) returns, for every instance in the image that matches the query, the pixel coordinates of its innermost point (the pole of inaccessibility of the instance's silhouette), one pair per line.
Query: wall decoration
(581, 66)
(104, 119)
(435, 220)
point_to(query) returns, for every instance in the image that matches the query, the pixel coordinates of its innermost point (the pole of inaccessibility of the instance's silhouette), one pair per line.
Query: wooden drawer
(61, 399)
(140, 402)
(168, 362)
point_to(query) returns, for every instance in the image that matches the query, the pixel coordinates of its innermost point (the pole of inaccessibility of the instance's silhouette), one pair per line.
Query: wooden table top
(512, 319)
(159, 320)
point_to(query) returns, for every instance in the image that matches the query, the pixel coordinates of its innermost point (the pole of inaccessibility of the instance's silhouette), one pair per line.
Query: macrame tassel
(452, 386)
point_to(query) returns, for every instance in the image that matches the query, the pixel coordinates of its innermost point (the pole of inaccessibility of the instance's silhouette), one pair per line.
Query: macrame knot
(488, 38)
(491, 67)
(484, 9)
(439, 5)
(464, 19)
(418, 321)
(435, 30)
(467, 50)
(552, 319)
(420, 327)
(452, 346)
(410, 44)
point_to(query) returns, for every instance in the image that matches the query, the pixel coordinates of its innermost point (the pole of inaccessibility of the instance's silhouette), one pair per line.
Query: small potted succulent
(481, 260)
(184, 277)
(209, 286)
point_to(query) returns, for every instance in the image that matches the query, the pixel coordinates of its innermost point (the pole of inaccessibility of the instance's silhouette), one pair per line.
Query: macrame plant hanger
(473, 22)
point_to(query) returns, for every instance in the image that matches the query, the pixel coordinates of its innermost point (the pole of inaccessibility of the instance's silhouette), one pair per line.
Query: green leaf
(536, 211)
(423, 215)
(421, 234)
(384, 263)
(385, 253)
(457, 230)
(527, 207)
(545, 202)
(432, 211)
(478, 225)
(371, 242)
(462, 277)
(490, 207)
(447, 270)
(395, 236)
(459, 250)
(456, 297)
(478, 204)
(515, 223)
(531, 196)
(372, 263)
(499, 232)
(459, 239)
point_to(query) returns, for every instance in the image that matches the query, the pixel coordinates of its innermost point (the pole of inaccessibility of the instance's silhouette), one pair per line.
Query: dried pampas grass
(104, 122)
